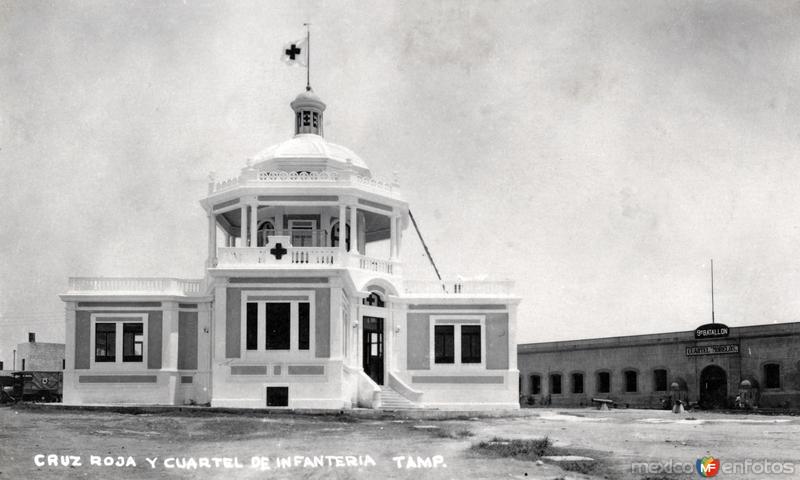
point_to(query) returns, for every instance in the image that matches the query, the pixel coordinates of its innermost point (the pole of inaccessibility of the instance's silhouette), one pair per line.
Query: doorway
(713, 387)
(373, 348)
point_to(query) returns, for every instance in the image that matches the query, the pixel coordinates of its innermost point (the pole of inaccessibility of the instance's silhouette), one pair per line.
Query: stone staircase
(391, 400)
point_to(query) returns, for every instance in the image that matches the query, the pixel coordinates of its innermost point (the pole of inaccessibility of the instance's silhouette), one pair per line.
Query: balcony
(281, 254)
(135, 286)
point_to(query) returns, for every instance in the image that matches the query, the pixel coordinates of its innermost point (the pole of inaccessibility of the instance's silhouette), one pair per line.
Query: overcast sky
(597, 153)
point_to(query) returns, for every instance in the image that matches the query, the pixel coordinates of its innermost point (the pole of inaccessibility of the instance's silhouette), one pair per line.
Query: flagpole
(712, 291)
(308, 56)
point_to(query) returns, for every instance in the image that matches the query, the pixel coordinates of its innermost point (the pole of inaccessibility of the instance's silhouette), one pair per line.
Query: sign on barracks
(711, 330)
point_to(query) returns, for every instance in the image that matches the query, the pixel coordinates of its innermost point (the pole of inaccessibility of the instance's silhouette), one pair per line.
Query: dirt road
(293, 446)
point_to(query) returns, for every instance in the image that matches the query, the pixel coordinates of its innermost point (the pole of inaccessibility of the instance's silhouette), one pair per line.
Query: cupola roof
(308, 150)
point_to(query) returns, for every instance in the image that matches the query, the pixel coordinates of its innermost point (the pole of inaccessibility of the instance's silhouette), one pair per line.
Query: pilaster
(169, 349)
(69, 336)
(336, 323)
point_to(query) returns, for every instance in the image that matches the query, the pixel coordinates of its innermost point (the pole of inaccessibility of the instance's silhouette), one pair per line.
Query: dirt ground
(344, 447)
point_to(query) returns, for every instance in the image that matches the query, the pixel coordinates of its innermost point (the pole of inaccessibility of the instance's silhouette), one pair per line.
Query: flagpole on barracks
(308, 56)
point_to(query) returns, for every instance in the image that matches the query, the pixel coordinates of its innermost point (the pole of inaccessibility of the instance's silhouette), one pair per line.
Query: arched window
(772, 375)
(603, 382)
(555, 383)
(263, 233)
(660, 380)
(577, 382)
(631, 381)
(536, 384)
(335, 235)
(373, 300)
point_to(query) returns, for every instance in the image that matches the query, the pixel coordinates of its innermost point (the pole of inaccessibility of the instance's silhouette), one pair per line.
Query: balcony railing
(325, 178)
(134, 286)
(235, 257)
(373, 264)
(459, 287)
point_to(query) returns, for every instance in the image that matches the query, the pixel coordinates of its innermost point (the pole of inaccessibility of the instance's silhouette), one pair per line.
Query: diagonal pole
(427, 252)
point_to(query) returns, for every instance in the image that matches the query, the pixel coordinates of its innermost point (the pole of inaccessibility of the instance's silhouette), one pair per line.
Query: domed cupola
(308, 110)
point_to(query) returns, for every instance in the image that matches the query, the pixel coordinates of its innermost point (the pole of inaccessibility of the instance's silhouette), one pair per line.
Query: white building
(291, 312)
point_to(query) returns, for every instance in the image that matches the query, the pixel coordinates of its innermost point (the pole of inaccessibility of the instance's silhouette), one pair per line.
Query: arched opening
(374, 299)
(335, 235)
(713, 387)
(373, 336)
(263, 233)
(603, 382)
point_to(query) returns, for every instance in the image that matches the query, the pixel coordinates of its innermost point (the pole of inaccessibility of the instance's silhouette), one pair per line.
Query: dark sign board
(712, 350)
(711, 330)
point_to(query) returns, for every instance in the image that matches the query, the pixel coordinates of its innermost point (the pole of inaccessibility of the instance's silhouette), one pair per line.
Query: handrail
(403, 389)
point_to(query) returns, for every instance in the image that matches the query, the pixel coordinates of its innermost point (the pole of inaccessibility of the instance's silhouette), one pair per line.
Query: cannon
(37, 386)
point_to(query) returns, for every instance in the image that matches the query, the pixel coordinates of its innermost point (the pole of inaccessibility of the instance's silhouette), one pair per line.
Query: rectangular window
(660, 380)
(555, 384)
(132, 342)
(252, 326)
(23, 364)
(444, 344)
(105, 342)
(603, 382)
(303, 325)
(278, 326)
(470, 344)
(536, 384)
(577, 383)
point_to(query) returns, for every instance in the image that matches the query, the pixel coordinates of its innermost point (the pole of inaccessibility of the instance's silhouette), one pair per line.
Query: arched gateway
(713, 387)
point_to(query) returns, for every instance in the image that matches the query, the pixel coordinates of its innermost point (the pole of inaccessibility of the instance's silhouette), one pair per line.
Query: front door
(373, 348)
(713, 387)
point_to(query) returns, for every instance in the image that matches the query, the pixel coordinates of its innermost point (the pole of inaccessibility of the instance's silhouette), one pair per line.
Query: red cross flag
(296, 53)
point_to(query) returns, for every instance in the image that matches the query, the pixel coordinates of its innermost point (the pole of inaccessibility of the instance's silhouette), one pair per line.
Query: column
(254, 224)
(243, 232)
(342, 231)
(212, 240)
(398, 234)
(353, 228)
(392, 238)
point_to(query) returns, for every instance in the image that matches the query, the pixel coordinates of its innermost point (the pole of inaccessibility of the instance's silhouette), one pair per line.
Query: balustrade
(132, 285)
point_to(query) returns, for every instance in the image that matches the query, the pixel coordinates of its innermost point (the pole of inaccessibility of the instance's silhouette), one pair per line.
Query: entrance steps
(391, 400)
